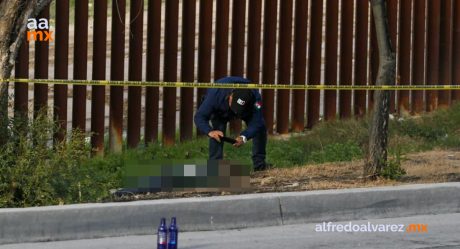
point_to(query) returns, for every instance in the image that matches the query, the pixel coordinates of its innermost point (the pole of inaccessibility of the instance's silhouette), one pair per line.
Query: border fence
(290, 42)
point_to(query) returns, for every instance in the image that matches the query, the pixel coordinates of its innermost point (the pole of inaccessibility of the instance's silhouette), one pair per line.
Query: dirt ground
(424, 167)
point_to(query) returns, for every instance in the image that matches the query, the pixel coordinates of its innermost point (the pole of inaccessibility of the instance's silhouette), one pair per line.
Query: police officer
(221, 105)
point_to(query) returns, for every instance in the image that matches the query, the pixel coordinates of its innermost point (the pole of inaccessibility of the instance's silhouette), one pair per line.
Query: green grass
(336, 141)
(33, 173)
(440, 129)
(281, 153)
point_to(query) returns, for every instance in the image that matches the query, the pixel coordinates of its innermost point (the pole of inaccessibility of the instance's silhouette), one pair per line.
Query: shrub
(393, 169)
(35, 173)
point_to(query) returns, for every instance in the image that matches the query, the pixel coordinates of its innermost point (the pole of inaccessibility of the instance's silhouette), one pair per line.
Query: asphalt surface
(442, 232)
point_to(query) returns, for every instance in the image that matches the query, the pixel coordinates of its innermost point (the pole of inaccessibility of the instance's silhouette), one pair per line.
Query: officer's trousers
(259, 142)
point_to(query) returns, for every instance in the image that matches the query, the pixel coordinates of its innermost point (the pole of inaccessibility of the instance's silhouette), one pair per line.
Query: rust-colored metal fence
(270, 41)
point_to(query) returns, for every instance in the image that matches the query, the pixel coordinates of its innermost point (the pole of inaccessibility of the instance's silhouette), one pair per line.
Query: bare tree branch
(20, 28)
(14, 15)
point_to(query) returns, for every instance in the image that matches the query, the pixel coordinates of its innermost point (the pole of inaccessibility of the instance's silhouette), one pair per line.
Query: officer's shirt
(216, 105)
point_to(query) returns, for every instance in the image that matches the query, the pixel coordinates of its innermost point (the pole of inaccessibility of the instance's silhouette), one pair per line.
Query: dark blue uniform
(215, 108)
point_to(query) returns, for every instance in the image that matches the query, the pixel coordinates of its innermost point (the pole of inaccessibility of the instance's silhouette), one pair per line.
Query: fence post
(117, 65)
(254, 34)
(221, 37)
(362, 15)
(204, 47)
(445, 53)
(418, 71)
(405, 13)
(346, 58)
(152, 94)
(187, 69)
(300, 63)
(80, 63)
(314, 61)
(135, 72)
(284, 65)
(432, 76)
(456, 51)
(61, 70)
(269, 61)
(41, 69)
(170, 71)
(332, 33)
(237, 49)
(98, 92)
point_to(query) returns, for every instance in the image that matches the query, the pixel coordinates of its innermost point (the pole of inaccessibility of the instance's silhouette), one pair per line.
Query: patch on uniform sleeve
(258, 105)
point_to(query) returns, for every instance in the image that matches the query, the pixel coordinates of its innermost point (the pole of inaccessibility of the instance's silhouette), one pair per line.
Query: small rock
(293, 185)
(266, 181)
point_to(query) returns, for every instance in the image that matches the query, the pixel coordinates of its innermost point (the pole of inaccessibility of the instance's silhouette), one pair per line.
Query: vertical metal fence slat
(221, 38)
(418, 70)
(117, 65)
(346, 58)
(41, 69)
(237, 49)
(61, 71)
(152, 94)
(135, 72)
(253, 65)
(254, 35)
(404, 53)
(284, 65)
(204, 47)
(238, 38)
(428, 53)
(362, 12)
(432, 77)
(99, 69)
(445, 53)
(170, 71)
(269, 61)
(300, 64)
(80, 63)
(314, 62)
(332, 33)
(456, 51)
(187, 69)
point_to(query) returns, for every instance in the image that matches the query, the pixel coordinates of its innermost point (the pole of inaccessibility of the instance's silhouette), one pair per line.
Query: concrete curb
(225, 212)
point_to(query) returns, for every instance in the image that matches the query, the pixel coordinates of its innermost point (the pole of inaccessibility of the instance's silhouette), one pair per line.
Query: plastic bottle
(162, 235)
(173, 234)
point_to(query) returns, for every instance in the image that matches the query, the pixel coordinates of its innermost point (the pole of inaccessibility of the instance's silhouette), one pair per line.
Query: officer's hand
(216, 135)
(239, 142)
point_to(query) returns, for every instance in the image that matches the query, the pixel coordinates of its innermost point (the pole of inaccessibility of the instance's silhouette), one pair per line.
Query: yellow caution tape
(231, 85)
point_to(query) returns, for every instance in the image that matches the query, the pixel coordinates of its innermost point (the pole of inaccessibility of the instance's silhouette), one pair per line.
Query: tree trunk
(378, 140)
(13, 24)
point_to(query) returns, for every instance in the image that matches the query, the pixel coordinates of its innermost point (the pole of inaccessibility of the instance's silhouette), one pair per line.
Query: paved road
(443, 232)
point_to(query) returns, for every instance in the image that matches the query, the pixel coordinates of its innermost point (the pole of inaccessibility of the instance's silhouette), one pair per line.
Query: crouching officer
(222, 105)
